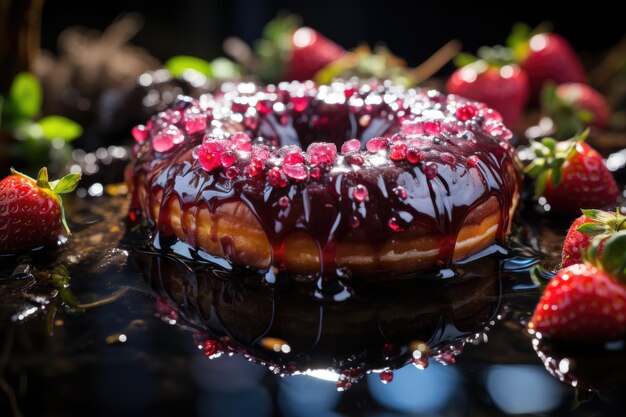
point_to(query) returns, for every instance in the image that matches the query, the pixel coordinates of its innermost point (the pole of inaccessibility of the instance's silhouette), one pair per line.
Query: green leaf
(177, 65)
(535, 167)
(613, 257)
(463, 59)
(65, 185)
(59, 127)
(593, 229)
(25, 96)
(599, 215)
(586, 116)
(550, 143)
(225, 68)
(42, 178)
(519, 36)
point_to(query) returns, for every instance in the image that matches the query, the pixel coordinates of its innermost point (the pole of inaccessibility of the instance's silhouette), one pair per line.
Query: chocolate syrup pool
(157, 336)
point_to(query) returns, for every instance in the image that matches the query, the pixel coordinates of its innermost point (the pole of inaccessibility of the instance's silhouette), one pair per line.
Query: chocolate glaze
(452, 164)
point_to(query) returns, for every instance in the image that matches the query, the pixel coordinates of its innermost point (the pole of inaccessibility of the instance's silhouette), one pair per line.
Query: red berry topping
(140, 133)
(210, 153)
(397, 151)
(167, 138)
(466, 112)
(322, 153)
(359, 193)
(296, 171)
(276, 178)
(351, 145)
(376, 144)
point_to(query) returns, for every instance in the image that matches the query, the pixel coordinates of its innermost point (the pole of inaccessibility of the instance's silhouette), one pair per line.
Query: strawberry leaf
(177, 65)
(25, 96)
(59, 127)
(598, 215)
(42, 178)
(593, 229)
(613, 257)
(463, 59)
(67, 184)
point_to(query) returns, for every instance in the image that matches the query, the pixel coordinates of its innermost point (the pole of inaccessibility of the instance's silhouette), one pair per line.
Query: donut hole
(325, 122)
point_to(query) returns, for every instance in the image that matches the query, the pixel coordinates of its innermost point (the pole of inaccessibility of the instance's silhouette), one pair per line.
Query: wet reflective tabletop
(138, 334)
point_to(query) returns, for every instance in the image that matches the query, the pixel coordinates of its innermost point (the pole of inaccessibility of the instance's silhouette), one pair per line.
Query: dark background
(412, 30)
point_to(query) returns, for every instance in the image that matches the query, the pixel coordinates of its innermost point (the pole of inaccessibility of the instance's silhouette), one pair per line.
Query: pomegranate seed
(294, 158)
(430, 170)
(315, 172)
(467, 112)
(355, 160)
(414, 155)
(254, 168)
(376, 144)
(140, 133)
(395, 225)
(322, 153)
(228, 158)
(359, 193)
(241, 142)
(295, 171)
(212, 348)
(283, 201)
(260, 153)
(276, 178)
(194, 121)
(432, 127)
(491, 114)
(400, 192)
(232, 172)
(473, 160)
(351, 145)
(210, 154)
(264, 107)
(397, 151)
(165, 140)
(386, 377)
(343, 385)
(300, 103)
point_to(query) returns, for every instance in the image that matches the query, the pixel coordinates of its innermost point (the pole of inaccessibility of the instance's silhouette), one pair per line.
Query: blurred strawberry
(574, 106)
(310, 52)
(545, 57)
(571, 174)
(504, 87)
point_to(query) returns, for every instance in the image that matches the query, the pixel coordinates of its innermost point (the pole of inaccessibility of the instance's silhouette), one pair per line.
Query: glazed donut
(393, 180)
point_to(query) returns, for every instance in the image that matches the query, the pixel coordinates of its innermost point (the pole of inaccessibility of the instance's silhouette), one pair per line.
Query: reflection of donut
(428, 180)
(372, 330)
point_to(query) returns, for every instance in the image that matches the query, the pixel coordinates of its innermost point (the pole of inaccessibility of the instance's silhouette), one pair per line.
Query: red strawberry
(591, 224)
(310, 52)
(591, 106)
(31, 211)
(504, 88)
(545, 57)
(574, 106)
(581, 303)
(587, 302)
(571, 174)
